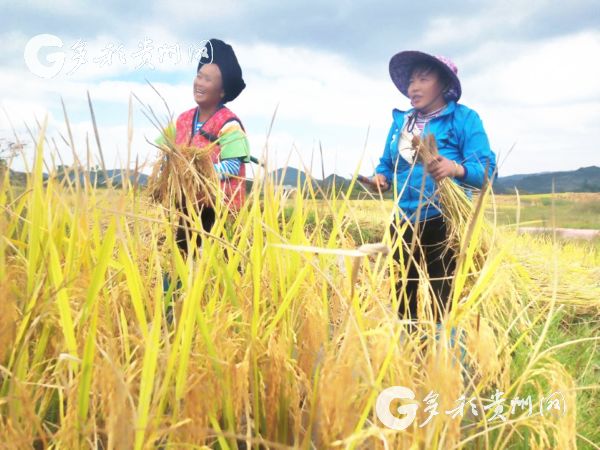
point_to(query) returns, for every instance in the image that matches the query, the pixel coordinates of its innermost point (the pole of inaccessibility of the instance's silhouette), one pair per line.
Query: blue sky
(529, 68)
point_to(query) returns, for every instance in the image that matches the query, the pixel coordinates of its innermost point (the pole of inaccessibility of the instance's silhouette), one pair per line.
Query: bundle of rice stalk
(457, 208)
(183, 172)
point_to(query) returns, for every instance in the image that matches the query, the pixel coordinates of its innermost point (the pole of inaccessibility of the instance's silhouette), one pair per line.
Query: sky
(529, 68)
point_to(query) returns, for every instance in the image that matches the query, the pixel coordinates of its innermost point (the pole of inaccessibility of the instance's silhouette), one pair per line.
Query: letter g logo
(382, 407)
(31, 55)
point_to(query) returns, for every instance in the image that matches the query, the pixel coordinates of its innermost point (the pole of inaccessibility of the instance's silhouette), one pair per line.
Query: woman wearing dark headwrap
(218, 80)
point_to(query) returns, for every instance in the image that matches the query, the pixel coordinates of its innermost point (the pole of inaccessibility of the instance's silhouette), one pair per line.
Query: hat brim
(401, 65)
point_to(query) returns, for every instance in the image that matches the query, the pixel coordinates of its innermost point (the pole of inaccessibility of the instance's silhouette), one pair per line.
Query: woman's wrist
(459, 170)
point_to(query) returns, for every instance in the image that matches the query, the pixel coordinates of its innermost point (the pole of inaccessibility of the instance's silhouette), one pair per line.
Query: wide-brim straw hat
(401, 66)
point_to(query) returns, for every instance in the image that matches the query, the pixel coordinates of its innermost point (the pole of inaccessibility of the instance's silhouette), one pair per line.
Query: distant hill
(289, 176)
(584, 179)
(99, 178)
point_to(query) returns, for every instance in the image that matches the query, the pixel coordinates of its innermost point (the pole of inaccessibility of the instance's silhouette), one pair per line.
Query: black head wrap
(221, 54)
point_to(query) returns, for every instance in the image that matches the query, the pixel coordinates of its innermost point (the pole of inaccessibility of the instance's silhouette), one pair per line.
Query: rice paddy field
(283, 333)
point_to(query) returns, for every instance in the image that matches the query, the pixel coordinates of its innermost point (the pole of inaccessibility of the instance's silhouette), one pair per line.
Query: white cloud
(542, 95)
(181, 12)
(59, 6)
(556, 71)
(311, 85)
(319, 96)
(495, 17)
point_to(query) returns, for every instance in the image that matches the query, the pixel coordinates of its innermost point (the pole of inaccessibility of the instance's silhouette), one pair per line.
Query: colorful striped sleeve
(228, 167)
(234, 150)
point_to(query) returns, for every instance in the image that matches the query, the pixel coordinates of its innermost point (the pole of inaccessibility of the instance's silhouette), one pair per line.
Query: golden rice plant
(457, 208)
(468, 231)
(283, 334)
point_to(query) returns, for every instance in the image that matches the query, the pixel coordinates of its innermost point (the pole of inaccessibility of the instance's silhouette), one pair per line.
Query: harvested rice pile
(183, 172)
(458, 209)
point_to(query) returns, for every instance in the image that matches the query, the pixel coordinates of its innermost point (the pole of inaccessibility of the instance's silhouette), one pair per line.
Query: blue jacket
(460, 136)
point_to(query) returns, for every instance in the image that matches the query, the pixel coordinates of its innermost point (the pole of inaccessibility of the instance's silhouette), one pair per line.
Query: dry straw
(278, 354)
(459, 210)
(183, 172)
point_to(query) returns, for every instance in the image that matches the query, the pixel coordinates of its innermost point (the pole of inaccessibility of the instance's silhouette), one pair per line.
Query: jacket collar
(399, 115)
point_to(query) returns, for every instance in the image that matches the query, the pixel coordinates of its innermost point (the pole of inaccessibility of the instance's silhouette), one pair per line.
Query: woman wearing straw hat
(218, 80)
(432, 85)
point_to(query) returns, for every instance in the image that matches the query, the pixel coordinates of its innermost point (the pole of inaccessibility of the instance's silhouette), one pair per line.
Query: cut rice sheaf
(183, 172)
(458, 209)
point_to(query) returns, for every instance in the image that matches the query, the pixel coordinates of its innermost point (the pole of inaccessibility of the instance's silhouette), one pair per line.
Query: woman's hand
(442, 167)
(375, 182)
(380, 181)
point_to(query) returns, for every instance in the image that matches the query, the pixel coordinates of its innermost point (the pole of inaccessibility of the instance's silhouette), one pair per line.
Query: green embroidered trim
(234, 144)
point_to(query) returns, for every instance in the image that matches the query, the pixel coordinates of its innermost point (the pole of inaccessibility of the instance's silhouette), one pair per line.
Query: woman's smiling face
(426, 89)
(208, 86)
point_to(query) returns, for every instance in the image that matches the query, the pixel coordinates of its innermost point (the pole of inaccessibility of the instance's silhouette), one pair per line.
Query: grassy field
(284, 332)
(562, 210)
(570, 210)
